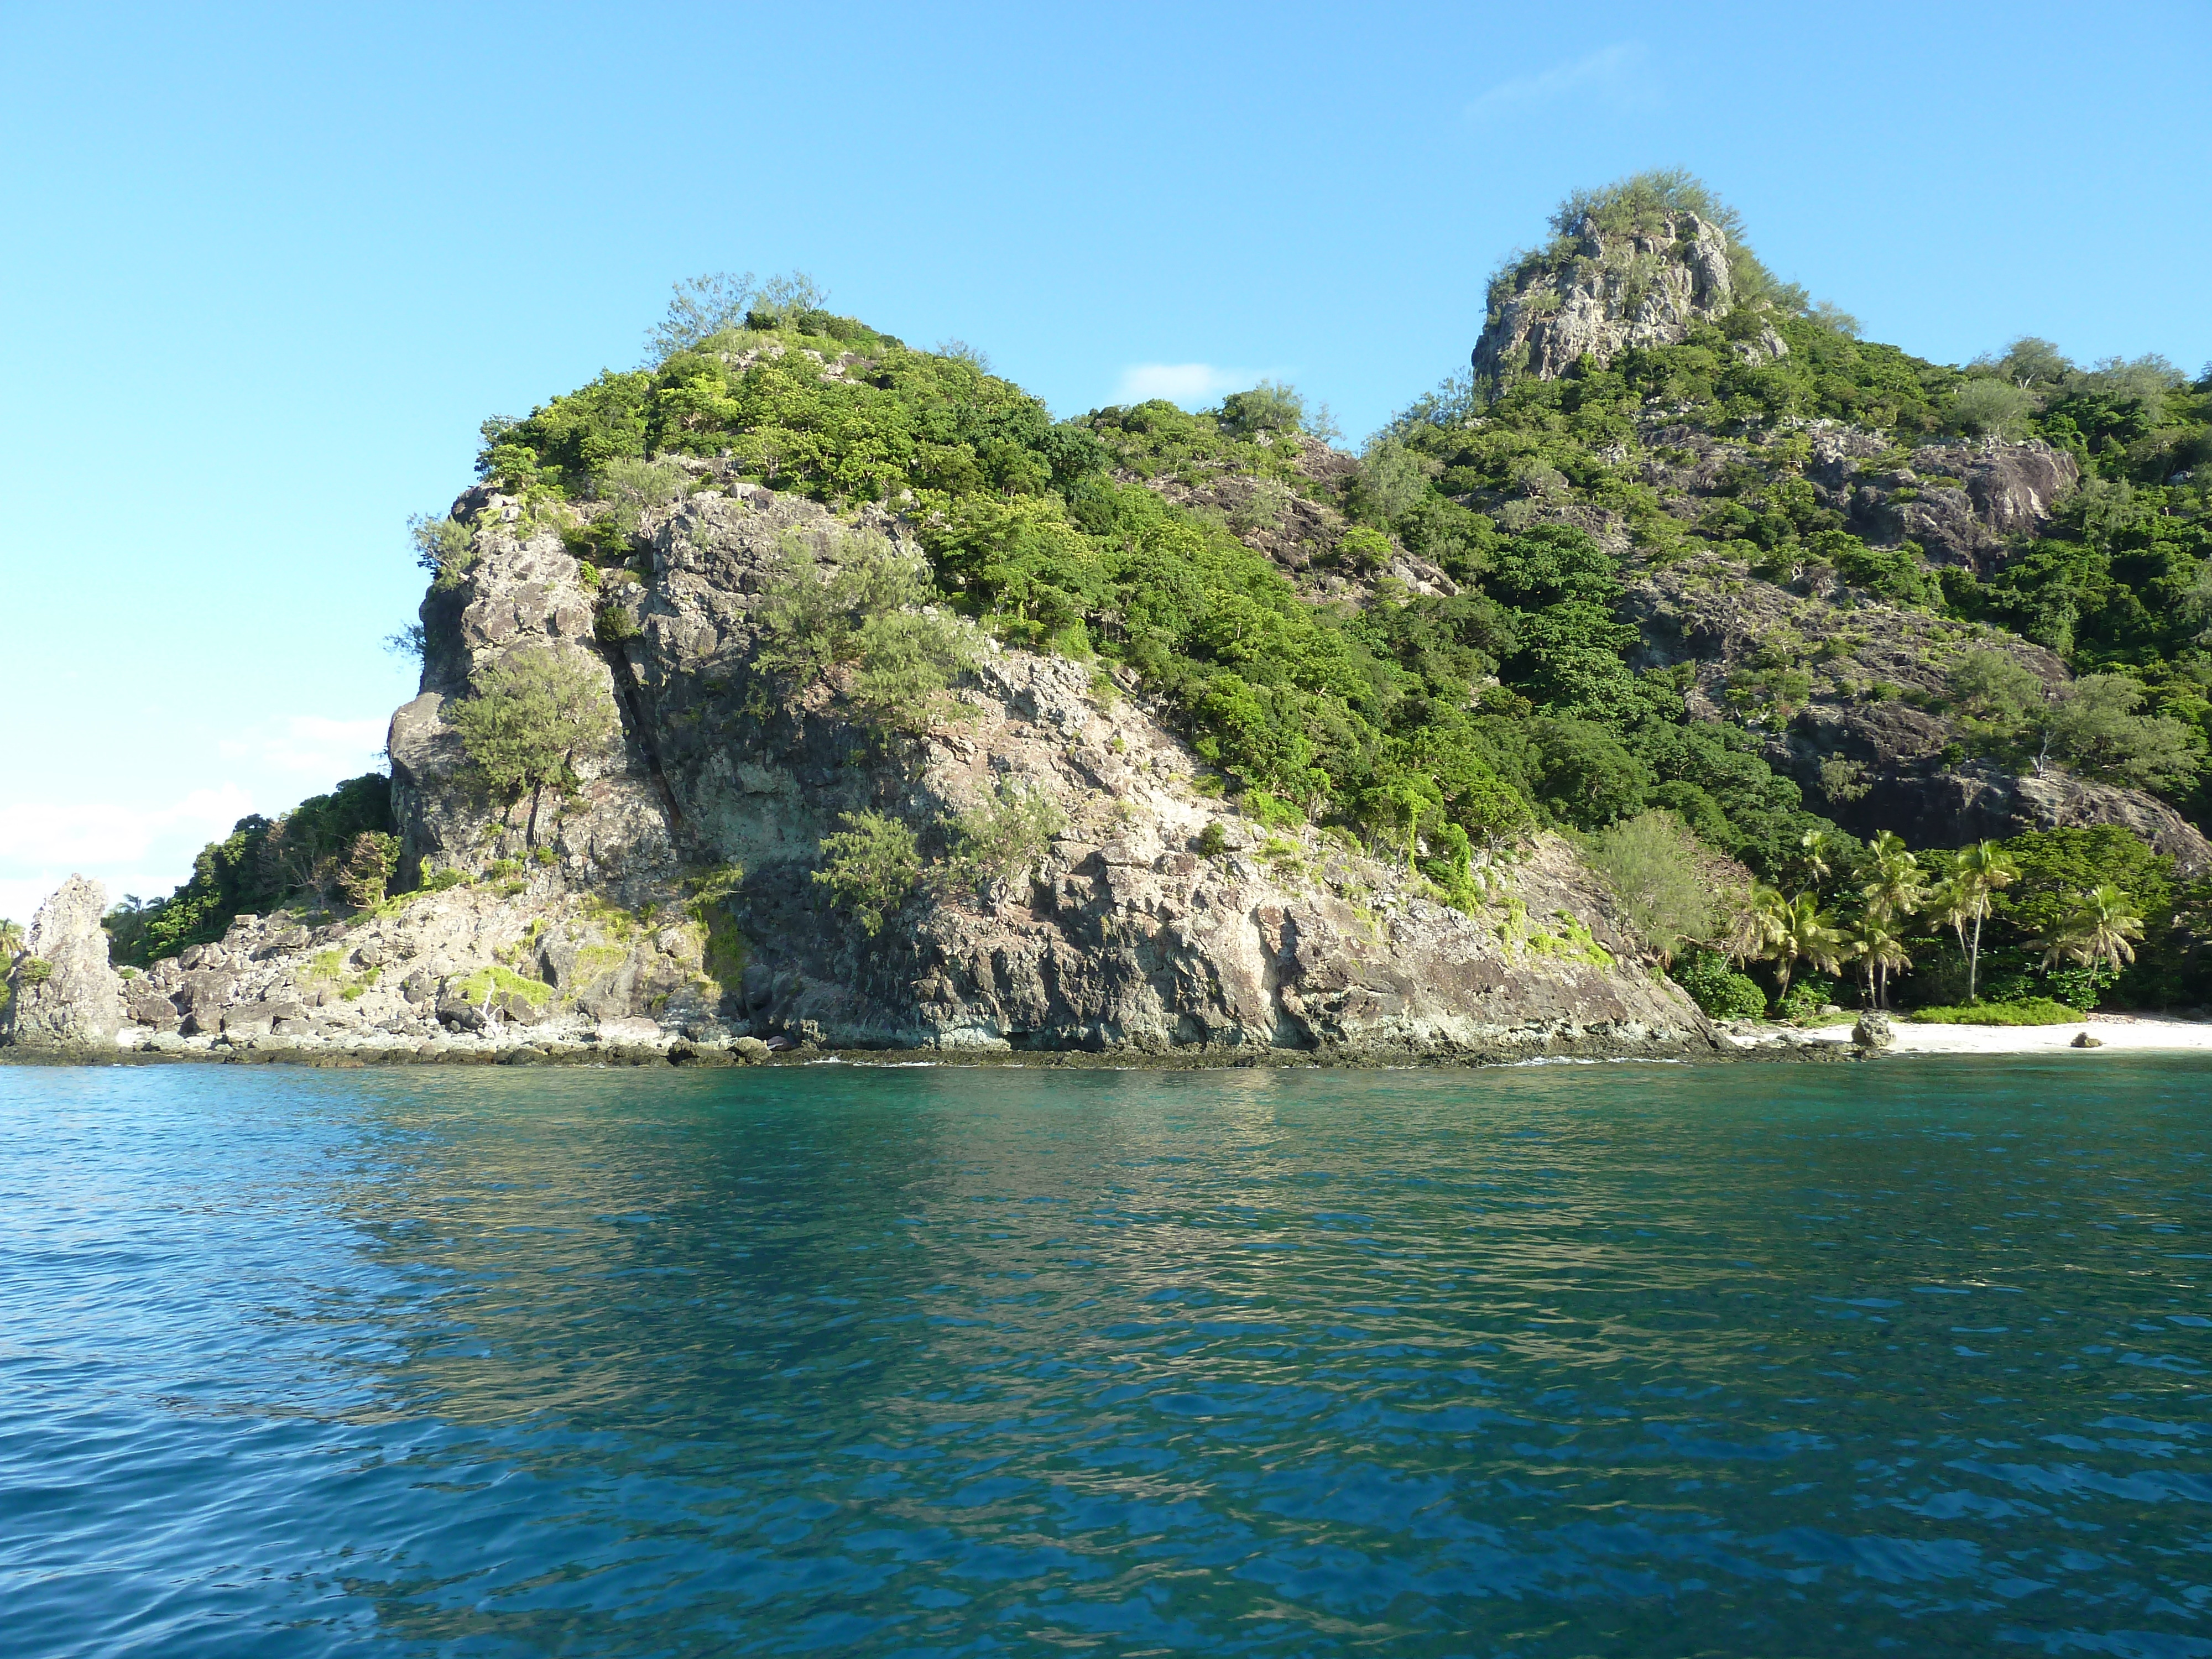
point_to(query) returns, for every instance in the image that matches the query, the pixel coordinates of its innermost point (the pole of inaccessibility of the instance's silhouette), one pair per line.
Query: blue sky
(265, 271)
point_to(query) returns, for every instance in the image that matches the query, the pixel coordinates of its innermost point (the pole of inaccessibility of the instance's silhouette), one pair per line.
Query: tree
(907, 660)
(1873, 940)
(2094, 729)
(633, 486)
(529, 714)
(1985, 408)
(698, 310)
(2098, 929)
(369, 862)
(1391, 478)
(12, 940)
(1898, 888)
(1758, 926)
(1812, 859)
(1978, 873)
(1652, 863)
(2030, 361)
(1996, 693)
(870, 866)
(1807, 937)
(1271, 406)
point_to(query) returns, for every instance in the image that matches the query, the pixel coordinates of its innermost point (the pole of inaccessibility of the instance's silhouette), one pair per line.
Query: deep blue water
(1573, 1360)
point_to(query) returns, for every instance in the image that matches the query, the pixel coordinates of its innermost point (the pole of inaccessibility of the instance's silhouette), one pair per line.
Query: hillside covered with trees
(1855, 674)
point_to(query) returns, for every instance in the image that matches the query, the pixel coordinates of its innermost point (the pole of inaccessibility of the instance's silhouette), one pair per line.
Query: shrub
(1652, 863)
(1718, 988)
(1984, 408)
(870, 866)
(2035, 1011)
(1008, 833)
(1806, 997)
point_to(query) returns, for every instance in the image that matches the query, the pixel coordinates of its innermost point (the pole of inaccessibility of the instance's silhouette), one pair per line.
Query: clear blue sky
(264, 271)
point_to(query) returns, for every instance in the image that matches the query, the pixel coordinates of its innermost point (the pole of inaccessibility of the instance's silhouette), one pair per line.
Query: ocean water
(1633, 1360)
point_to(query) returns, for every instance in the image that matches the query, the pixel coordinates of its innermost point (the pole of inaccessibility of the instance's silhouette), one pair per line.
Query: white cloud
(324, 749)
(1609, 75)
(1181, 383)
(45, 834)
(146, 850)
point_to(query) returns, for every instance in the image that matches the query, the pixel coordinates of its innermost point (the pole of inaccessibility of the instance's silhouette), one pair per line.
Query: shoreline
(1762, 1043)
(2113, 1033)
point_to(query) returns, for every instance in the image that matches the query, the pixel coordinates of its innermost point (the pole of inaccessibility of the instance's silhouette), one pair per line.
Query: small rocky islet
(861, 754)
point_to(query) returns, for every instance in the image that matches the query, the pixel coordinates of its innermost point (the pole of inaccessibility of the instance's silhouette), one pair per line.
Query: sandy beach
(2117, 1033)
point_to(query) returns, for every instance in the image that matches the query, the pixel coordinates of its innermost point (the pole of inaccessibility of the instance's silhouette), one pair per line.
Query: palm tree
(1813, 857)
(1977, 873)
(1872, 941)
(2097, 929)
(12, 941)
(1900, 886)
(1757, 925)
(1806, 937)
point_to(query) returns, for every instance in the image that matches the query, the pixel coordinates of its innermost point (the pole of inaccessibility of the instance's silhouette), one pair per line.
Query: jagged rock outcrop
(1866, 735)
(63, 994)
(1958, 501)
(1616, 291)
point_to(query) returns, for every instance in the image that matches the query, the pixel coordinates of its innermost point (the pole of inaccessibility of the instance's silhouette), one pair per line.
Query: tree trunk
(1974, 963)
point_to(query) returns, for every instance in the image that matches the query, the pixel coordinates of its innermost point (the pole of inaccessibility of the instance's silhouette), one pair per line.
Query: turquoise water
(1572, 1360)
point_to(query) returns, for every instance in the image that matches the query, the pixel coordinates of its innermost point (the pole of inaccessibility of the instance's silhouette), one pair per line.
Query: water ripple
(1542, 1362)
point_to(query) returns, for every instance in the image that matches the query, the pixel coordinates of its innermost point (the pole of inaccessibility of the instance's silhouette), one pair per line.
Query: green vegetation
(869, 616)
(1716, 988)
(2034, 1011)
(491, 980)
(527, 715)
(321, 849)
(1654, 866)
(999, 840)
(870, 866)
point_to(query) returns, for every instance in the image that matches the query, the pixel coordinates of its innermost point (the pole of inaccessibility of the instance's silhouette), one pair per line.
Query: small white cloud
(92, 834)
(1181, 383)
(1609, 74)
(310, 743)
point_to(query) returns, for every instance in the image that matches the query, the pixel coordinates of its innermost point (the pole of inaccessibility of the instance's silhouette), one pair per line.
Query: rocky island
(802, 692)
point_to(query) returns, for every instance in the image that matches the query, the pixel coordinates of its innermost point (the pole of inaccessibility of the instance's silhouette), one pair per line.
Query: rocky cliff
(670, 899)
(1603, 291)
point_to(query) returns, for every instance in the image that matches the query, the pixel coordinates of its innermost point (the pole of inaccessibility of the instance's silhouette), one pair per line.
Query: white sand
(2117, 1033)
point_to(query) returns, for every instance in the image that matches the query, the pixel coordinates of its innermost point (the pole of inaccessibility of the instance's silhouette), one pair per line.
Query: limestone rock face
(1619, 290)
(64, 995)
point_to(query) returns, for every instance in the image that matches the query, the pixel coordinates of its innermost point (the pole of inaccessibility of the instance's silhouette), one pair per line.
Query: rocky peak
(64, 995)
(1596, 293)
